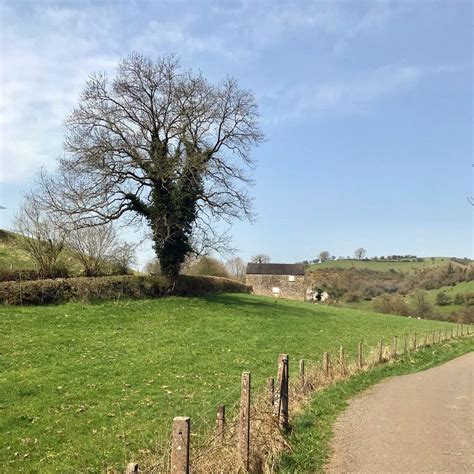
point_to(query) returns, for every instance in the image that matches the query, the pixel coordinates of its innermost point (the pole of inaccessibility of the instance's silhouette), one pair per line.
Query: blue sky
(366, 107)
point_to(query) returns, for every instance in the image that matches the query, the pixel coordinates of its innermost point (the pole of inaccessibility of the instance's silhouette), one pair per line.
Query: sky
(366, 106)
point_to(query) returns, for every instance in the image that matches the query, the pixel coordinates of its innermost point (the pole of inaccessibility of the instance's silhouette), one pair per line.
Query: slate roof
(275, 269)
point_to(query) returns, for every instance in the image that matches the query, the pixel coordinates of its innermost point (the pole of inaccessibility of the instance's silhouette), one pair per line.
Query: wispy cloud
(353, 96)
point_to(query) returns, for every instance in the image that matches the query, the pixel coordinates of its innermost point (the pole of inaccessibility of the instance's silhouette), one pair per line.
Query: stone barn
(280, 280)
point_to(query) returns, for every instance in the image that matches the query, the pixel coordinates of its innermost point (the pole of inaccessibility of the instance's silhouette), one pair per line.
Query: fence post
(405, 344)
(302, 375)
(434, 337)
(425, 342)
(131, 468)
(180, 446)
(462, 329)
(244, 425)
(360, 356)
(220, 423)
(342, 362)
(452, 332)
(271, 391)
(394, 347)
(381, 351)
(282, 387)
(446, 334)
(326, 364)
(414, 341)
(457, 330)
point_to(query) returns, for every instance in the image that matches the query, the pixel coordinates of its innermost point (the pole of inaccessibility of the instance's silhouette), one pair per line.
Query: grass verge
(313, 427)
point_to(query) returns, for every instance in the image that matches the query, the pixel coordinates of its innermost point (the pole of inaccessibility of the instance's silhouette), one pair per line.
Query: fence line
(271, 417)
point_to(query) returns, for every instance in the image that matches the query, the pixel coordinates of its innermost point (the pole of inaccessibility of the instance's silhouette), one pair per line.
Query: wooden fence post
(457, 330)
(326, 364)
(244, 425)
(381, 351)
(271, 391)
(220, 423)
(360, 356)
(462, 329)
(302, 375)
(414, 341)
(282, 387)
(446, 334)
(405, 344)
(425, 342)
(131, 468)
(180, 445)
(452, 332)
(342, 362)
(434, 337)
(394, 347)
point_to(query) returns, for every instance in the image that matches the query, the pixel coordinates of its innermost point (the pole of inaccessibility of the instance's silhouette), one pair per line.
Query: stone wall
(266, 284)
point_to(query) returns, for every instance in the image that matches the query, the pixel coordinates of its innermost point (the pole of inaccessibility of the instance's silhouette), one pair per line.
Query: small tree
(123, 259)
(153, 267)
(442, 299)
(421, 305)
(94, 247)
(324, 256)
(236, 267)
(42, 236)
(360, 253)
(260, 258)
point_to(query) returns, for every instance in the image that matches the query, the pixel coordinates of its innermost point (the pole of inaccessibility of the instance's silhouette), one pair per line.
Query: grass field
(85, 387)
(383, 265)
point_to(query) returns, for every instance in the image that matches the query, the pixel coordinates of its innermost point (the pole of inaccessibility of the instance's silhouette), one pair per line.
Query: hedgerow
(112, 287)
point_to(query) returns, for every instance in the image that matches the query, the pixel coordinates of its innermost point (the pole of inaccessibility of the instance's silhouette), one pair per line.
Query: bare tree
(153, 267)
(161, 144)
(236, 267)
(324, 256)
(123, 258)
(360, 253)
(94, 247)
(42, 236)
(260, 258)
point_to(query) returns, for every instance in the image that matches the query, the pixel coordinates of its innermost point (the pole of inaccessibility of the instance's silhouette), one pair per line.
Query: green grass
(84, 387)
(451, 291)
(383, 265)
(313, 428)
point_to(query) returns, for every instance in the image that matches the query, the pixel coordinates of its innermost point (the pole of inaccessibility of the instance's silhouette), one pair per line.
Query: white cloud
(353, 96)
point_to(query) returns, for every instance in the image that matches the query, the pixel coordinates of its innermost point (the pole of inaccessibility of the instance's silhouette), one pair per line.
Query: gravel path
(412, 423)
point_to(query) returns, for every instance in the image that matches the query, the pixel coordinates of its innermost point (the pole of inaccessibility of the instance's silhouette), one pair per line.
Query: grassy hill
(407, 266)
(85, 388)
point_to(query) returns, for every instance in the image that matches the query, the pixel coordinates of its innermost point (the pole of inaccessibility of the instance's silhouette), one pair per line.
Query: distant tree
(153, 267)
(324, 256)
(207, 266)
(236, 267)
(360, 253)
(42, 236)
(421, 305)
(123, 259)
(260, 258)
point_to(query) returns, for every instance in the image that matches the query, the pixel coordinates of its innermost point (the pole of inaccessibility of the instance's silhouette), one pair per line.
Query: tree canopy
(162, 144)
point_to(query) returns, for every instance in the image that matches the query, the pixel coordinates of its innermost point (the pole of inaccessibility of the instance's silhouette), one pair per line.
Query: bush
(422, 308)
(464, 315)
(352, 297)
(442, 299)
(208, 266)
(391, 304)
(113, 287)
(459, 298)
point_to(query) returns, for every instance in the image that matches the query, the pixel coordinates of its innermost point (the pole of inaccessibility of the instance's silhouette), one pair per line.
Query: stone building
(280, 280)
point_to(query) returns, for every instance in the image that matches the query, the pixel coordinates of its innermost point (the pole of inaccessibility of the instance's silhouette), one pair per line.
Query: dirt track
(413, 423)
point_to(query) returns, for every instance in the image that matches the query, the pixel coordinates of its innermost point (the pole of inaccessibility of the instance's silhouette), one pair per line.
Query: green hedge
(112, 287)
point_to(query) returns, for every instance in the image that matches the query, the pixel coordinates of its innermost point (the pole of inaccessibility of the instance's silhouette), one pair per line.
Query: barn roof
(275, 269)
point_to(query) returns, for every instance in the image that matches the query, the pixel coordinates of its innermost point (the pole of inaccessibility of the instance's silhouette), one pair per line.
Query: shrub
(22, 275)
(442, 299)
(464, 315)
(208, 266)
(391, 304)
(458, 298)
(352, 296)
(113, 287)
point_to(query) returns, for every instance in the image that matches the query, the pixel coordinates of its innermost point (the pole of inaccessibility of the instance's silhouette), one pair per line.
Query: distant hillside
(405, 265)
(12, 257)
